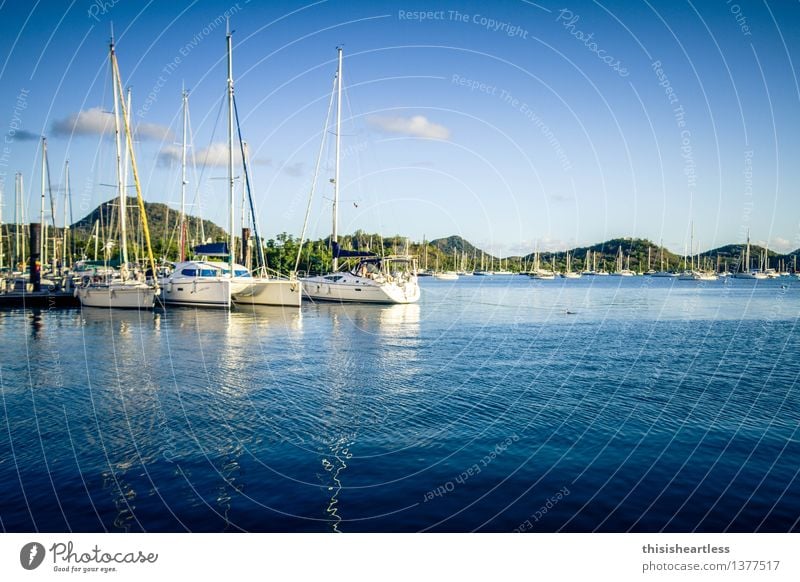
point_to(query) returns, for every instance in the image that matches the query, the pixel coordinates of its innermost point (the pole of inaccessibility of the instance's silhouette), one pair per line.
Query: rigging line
(262, 262)
(314, 178)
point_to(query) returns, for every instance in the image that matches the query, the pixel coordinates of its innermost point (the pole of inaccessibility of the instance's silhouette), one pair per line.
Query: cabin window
(189, 272)
(333, 277)
(208, 273)
(241, 273)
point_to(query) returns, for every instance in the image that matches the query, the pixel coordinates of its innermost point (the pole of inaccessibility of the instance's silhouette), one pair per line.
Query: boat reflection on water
(122, 321)
(386, 320)
(268, 316)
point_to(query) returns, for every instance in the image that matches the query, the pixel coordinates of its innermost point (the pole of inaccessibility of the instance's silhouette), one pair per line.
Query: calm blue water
(653, 405)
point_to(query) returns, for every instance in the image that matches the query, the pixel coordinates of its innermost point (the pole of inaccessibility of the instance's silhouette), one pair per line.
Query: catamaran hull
(270, 292)
(117, 296)
(361, 292)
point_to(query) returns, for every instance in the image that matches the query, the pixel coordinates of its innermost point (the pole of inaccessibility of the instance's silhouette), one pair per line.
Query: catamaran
(370, 278)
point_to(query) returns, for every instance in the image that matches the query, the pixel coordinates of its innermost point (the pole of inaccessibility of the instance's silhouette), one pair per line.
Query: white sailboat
(539, 273)
(205, 283)
(661, 272)
(745, 272)
(209, 283)
(568, 272)
(372, 279)
(125, 289)
(620, 272)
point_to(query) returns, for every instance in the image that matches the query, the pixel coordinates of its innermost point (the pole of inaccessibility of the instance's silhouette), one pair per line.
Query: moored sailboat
(370, 278)
(125, 289)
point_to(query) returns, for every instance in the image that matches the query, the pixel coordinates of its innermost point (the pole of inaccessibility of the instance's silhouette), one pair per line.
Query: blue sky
(510, 123)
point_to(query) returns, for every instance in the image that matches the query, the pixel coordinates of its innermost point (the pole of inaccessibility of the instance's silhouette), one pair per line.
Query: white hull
(697, 276)
(571, 275)
(447, 276)
(200, 291)
(749, 276)
(346, 287)
(129, 295)
(543, 276)
(665, 274)
(270, 292)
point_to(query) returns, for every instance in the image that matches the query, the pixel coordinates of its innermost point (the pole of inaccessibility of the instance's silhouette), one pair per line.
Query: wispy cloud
(23, 135)
(153, 131)
(96, 121)
(296, 170)
(417, 126)
(215, 155)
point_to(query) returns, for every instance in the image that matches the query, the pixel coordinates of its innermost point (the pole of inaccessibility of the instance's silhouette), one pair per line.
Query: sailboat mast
(747, 254)
(335, 233)
(120, 185)
(66, 198)
(134, 170)
(43, 237)
(19, 247)
(182, 248)
(231, 195)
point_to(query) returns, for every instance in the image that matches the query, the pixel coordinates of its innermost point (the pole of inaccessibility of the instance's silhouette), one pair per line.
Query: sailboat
(372, 278)
(568, 272)
(694, 273)
(661, 272)
(203, 282)
(620, 272)
(446, 275)
(539, 273)
(214, 283)
(745, 272)
(125, 289)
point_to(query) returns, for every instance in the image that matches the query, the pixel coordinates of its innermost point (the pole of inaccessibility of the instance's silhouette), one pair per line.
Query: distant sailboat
(568, 273)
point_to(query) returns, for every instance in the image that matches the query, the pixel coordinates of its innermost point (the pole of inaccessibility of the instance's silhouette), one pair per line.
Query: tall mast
(19, 251)
(335, 237)
(43, 237)
(123, 237)
(136, 183)
(231, 199)
(747, 254)
(182, 248)
(66, 198)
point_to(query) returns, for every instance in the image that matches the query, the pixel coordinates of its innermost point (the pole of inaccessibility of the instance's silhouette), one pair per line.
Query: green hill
(162, 222)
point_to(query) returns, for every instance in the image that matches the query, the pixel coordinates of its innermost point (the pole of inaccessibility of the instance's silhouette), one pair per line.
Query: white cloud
(216, 155)
(153, 131)
(417, 126)
(96, 121)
